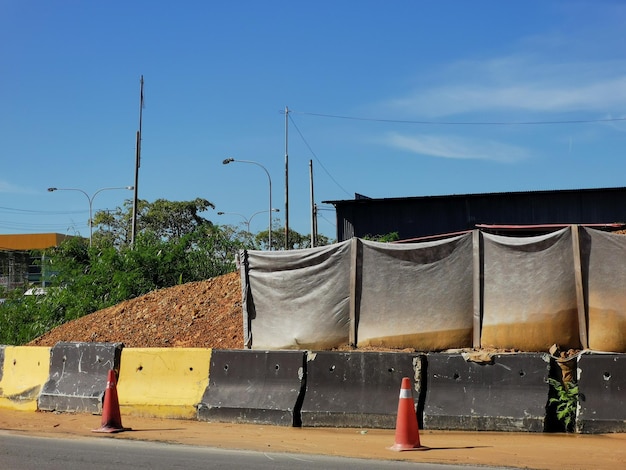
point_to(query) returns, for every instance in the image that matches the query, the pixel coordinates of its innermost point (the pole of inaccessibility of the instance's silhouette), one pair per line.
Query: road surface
(513, 450)
(36, 453)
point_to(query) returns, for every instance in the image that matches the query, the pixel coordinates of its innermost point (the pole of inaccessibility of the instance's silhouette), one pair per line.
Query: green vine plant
(566, 402)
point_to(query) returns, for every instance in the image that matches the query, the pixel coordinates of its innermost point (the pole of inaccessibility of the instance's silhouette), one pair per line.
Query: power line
(317, 159)
(327, 221)
(31, 212)
(10, 226)
(461, 123)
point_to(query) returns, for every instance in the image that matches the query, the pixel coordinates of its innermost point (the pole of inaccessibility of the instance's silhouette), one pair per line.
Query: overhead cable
(462, 123)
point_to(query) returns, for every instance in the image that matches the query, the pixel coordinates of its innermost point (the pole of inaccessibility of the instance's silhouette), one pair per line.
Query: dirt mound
(205, 314)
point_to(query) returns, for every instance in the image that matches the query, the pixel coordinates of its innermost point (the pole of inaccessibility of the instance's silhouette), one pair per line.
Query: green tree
(296, 240)
(246, 239)
(172, 219)
(386, 238)
(166, 219)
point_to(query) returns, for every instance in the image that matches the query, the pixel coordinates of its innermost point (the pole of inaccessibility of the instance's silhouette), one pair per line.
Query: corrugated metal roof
(367, 200)
(424, 216)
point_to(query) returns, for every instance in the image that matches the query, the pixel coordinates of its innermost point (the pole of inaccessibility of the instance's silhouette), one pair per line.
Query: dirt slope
(205, 314)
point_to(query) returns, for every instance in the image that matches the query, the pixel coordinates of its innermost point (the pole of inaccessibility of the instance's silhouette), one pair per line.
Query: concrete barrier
(602, 393)
(509, 393)
(78, 376)
(162, 382)
(357, 389)
(25, 371)
(261, 387)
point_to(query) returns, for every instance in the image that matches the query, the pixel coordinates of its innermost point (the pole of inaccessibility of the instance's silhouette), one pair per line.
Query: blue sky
(387, 99)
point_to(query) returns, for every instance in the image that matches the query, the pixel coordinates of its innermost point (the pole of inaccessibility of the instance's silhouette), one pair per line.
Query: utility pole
(315, 222)
(286, 178)
(312, 205)
(137, 165)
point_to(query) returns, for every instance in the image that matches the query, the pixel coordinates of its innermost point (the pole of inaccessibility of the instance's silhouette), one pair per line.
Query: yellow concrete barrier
(163, 382)
(25, 371)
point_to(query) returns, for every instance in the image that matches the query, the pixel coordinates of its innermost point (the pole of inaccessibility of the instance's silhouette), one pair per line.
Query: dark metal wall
(432, 215)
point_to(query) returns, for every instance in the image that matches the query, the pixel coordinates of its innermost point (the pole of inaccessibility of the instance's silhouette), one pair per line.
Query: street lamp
(229, 160)
(90, 199)
(248, 220)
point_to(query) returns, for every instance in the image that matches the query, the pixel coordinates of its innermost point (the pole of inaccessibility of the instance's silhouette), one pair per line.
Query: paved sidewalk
(517, 450)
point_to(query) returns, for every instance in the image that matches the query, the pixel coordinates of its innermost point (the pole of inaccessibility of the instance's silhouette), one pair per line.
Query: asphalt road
(19, 452)
(545, 451)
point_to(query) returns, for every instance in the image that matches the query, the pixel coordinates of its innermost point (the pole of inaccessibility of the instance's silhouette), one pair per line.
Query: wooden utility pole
(286, 178)
(313, 215)
(137, 165)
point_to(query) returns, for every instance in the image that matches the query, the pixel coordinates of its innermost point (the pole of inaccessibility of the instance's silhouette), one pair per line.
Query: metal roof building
(419, 217)
(31, 241)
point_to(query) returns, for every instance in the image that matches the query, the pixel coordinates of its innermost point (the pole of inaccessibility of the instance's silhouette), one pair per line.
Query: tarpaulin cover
(297, 299)
(567, 288)
(417, 295)
(604, 260)
(529, 300)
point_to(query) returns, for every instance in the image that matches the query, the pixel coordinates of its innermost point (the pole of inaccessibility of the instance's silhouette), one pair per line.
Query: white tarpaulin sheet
(297, 299)
(529, 294)
(417, 295)
(604, 260)
(524, 293)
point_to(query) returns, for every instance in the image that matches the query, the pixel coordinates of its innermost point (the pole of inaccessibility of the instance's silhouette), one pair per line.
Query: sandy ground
(515, 450)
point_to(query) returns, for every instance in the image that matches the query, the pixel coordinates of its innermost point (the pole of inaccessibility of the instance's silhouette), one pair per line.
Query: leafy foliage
(566, 401)
(165, 219)
(386, 238)
(296, 240)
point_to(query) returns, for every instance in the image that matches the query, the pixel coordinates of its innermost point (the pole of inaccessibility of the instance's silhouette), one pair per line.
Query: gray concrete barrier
(78, 376)
(249, 386)
(601, 393)
(357, 389)
(509, 393)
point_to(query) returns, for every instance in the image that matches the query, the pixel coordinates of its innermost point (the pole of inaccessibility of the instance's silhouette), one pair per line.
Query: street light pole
(247, 219)
(261, 212)
(90, 199)
(247, 222)
(229, 160)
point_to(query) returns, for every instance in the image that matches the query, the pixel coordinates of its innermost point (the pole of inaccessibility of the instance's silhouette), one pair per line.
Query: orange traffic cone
(111, 419)
(407, 432)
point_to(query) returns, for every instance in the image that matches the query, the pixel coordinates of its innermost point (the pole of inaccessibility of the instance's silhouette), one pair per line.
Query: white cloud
(11, 188)
(6, 187)
(519, 83)
(457, 148)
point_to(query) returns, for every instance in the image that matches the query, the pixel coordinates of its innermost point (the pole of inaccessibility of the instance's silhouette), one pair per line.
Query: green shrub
(566, 401)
